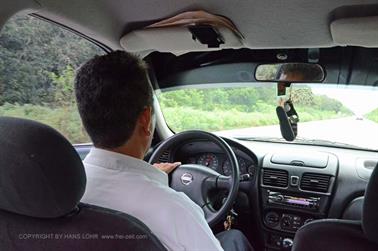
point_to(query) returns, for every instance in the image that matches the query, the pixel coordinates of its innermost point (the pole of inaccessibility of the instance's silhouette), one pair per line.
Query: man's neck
(134, 147)
(133, 150)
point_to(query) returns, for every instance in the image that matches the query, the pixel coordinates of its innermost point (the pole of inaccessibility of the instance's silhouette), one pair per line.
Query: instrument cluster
(220, 163)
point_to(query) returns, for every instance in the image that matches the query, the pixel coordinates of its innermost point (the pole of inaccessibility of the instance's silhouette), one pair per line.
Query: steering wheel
(196, 181)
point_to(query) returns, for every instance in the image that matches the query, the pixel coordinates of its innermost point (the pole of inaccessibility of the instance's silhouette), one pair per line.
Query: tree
(302, 96)
(30, 49)
(64, 87)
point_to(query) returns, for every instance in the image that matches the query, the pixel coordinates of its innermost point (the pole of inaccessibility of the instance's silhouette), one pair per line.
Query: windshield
(328, 114)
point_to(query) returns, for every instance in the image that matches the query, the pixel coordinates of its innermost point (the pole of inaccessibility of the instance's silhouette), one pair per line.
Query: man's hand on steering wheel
(167, 167)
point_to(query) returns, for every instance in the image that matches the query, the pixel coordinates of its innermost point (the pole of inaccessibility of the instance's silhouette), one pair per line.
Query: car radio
(301, 202)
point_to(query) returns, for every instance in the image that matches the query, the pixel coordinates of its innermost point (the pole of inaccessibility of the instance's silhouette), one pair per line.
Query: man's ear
(145, 120)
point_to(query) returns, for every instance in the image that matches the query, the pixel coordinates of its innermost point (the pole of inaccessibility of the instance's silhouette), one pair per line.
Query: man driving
(115, 102)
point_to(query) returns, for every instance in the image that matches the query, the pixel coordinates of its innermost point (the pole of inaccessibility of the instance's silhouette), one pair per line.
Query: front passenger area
(347, 235)
(42, 181)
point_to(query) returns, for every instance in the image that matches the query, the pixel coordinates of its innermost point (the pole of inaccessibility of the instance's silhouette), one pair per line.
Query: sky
(360, 100)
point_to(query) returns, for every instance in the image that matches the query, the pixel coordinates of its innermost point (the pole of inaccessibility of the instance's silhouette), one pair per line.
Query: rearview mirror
(290, 73)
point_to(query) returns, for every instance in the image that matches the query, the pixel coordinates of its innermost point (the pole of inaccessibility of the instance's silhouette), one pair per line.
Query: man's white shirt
(133, 186)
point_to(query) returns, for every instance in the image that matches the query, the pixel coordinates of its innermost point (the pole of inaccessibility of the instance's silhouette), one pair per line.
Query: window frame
(95, 42)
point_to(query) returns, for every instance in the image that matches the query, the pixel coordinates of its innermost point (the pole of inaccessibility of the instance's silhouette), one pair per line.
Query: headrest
(370, 208)
(41, 175)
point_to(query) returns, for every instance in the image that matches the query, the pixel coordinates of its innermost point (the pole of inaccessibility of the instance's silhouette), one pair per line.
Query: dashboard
(290, 185)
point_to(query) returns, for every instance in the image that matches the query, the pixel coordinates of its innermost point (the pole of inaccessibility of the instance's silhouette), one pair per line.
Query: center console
(295, 189)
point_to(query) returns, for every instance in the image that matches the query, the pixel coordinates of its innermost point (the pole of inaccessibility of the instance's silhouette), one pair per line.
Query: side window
(37, 67)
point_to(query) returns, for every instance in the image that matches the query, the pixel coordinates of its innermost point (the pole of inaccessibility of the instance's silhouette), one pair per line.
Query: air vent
(315, 182)
(275, 177)
(164, 157)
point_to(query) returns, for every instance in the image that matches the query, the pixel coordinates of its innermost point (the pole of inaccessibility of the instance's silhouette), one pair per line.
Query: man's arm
(192, 229)
(166, 167)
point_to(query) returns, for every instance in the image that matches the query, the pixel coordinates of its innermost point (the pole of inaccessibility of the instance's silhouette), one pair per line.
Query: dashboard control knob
(272, 219)
(280, 197)
(286, 222)
(287, 243)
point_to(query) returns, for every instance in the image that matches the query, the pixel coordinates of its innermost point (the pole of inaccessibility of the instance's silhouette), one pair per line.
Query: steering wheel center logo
(186, 178)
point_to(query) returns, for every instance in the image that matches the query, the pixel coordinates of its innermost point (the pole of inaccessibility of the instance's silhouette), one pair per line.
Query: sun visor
(189, 31)
(357, 31)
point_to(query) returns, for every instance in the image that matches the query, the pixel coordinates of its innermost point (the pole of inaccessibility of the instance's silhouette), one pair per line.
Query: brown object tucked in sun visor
(188, 31)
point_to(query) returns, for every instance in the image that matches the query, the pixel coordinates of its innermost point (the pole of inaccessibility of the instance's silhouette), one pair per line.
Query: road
(363, 133)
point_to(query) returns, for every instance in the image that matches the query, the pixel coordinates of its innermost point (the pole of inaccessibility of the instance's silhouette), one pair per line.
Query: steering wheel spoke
(224, 182)
(195, 181)
(209, 211)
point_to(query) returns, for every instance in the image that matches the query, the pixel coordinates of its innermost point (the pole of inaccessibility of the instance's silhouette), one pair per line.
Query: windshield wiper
(303, 141)
(327, 143)
(262, 139)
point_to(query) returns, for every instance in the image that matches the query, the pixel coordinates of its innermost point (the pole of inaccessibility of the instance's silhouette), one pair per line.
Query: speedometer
(209, 160)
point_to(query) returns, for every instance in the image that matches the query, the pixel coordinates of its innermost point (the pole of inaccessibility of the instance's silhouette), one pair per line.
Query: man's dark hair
(309, 72)
(111, 92)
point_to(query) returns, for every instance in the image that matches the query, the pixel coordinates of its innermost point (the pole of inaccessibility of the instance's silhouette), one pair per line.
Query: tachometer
(227, 168)
(209, 160)
(242, 167)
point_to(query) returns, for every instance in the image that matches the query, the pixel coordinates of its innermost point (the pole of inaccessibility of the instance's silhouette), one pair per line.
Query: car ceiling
(264, 23)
